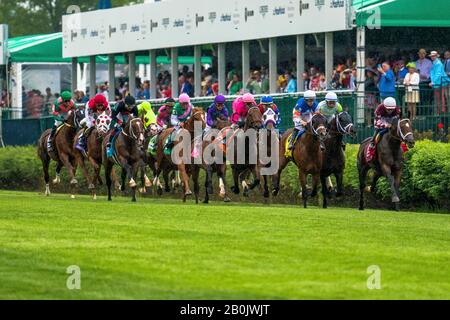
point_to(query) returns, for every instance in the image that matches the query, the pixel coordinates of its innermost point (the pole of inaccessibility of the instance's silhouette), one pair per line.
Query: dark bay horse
(334, 157)
(128, 153)
(388, 161)
(164, 162)
(63, 151)
(244, 148)
(306, 155)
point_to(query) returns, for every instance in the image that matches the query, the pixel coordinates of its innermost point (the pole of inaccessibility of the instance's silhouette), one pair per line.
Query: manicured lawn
(163, 249)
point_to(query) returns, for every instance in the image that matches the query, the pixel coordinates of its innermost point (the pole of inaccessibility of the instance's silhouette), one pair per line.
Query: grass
(163, 249)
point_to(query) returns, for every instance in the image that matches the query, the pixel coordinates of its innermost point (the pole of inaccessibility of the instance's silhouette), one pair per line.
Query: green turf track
(163, 249)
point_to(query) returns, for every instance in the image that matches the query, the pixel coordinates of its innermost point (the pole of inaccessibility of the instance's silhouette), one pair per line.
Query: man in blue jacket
(387, 81)
(439, 81)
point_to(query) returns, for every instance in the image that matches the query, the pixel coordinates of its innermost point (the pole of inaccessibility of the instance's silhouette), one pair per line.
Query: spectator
(387, 81)
(323, 86)
(306, 81)
(447, 71)
(257, 85)
(188, 85)
(370, 100)
(315, 81)
(207, 90)
(80, 97)
(424, 66)
(291, 83)
(146, 92)
(166, 91)
(439, 81)
(402, 71)
(104, 91)
(411, 82)
(235, 85)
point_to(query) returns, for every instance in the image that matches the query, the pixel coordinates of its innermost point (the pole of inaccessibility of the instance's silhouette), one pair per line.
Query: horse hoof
(148, 183)
(57, 180)
(133, 200)
(159, 191)
(235, 190)
(122, 188)
(91, 186)
(132, 183)
(72, 196)
(226, 199)
(94, 197)
(368, 189)
(142, 190)
(246, 193)
(188, 193)
(210, 190)
(395, 199)
(205, 202)
(275, 192)
(74, 181)
(167, 189)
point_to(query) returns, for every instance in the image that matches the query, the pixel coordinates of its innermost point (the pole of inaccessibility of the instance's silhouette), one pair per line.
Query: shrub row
(425, 181)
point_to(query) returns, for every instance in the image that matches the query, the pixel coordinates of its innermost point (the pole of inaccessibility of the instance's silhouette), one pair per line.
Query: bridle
(131, 133)
(399, 129)
(314, 130)
(341, 129)
(248, 112)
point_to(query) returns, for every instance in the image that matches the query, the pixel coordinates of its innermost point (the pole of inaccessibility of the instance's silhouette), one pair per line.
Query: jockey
(165, 112)
(240, 109)
(94, 107)
(61, 108)
(145, 112)
(120, 115)
(303, 111)
(330, 106)
(182, 111)
(384, 114)
(217, 110)
(267, 103)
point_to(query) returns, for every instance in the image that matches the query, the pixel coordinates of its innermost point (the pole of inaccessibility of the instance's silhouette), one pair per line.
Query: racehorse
(63, 152)
(94, 152)
(164, 161)
(334, 157)
(388, 160)
(270, 119)
(220, 168)
(306, 155)
(254, 121)
(127, 146)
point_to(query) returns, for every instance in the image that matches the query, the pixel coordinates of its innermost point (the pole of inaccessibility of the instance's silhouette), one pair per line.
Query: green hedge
(425, 181)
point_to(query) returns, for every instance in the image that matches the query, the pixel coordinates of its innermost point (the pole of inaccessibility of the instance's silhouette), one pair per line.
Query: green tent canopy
(403, 13)
(47, 48)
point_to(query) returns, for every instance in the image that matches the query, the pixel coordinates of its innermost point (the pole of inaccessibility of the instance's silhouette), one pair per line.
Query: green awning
(403, 13)
(47, 48)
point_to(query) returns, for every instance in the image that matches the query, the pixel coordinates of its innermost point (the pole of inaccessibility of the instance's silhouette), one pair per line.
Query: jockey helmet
(220, 99)
(170, 102)
(331, 96)
(184, 98)
(100, 99)
(66, 95)
(390, 103)
(309, 95)
(130, 101)
(248, 98)
(267, 100)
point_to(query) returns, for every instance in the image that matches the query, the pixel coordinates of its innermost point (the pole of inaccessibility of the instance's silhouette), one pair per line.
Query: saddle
(288, 153)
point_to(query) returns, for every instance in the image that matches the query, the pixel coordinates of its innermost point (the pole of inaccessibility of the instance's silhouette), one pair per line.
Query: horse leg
(123, 177)
(45, 164)
(159, 189)
(397, 178)
(390, 178)
(276, 177)
(221, 173)
(185, 178)
(108, 170)
(195, 174)
(315, 183)
(57, 179)
(256, 178)
(68, 164)
(245, 188)
(166, 180)
(209, 174)
(235, 188)
(115, 178)
(376, 177)
(133, 172)
(324, 191)
(84, 171)
(362, 185)
(302, 178)
(340, 183)
(266, 188)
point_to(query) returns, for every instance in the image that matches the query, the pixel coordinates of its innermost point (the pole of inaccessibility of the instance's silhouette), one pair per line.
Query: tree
(26, 17)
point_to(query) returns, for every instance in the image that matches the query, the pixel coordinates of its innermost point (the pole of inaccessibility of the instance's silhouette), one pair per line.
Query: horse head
(198, 115)
(254, 119)
(402, 129)
(344, 124)
(74, 118)
(270, 119)
(222, 122)
(318, 125)
(134, 129)
(102, 124)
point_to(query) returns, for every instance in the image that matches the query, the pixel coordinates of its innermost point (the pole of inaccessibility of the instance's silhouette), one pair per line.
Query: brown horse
(128, 154)
(388, 161)
(94, 154)
(63, 151)
(306, 155)
(334, 157)
(164, 162)
(213, 140)
(244, 148)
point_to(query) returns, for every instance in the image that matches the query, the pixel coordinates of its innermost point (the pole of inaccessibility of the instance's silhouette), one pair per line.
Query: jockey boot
(372, 142)
(50, 139)
(82, 142)
(293, 138)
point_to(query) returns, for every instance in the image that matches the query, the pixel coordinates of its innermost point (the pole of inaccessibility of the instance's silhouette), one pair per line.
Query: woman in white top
(411, 83)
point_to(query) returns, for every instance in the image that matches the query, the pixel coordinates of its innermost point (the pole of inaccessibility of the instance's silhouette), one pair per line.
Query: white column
(273, 52)
(152, 74)
(300, 62)
(360, 72)
(74, 74)
(92, 76)
(245, 62)
(141, 71)
(174, 70)
(16, 103)
(221, 72)
(112, 77)
(132, 72)
(197, 71)
(329, 56)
